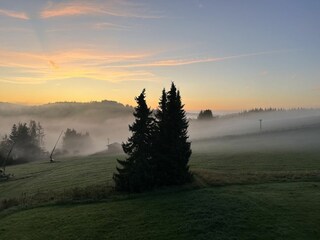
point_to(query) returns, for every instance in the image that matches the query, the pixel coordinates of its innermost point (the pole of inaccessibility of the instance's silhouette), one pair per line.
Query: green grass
(44, 177)
(90, 178)
(255, 167)
(261, 195)
(257, 161)
(261, 211)
(213, 168)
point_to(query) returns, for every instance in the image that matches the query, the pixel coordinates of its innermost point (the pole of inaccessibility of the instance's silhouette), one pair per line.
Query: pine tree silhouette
(161, 157)
(173, 148)
(158, 150)
(136, 172)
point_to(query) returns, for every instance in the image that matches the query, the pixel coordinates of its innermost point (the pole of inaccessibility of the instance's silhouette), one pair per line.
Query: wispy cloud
(14, 14)
(32, 68)
(69, 9)
(111, 26)
(84, 57)
(181, 62)
(117, 8)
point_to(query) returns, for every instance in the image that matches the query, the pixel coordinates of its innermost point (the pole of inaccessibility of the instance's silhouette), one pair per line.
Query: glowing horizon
(223, 56)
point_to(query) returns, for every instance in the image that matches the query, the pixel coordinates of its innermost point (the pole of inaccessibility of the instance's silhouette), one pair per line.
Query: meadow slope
(261, 211)
(238, 193)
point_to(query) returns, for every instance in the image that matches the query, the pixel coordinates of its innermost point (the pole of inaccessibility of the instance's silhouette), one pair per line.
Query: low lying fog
(280, 129)
(294, 130)
(237, 124)
(102, 120)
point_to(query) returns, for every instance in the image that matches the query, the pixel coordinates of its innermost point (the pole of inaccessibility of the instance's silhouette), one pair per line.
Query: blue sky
(228, 55)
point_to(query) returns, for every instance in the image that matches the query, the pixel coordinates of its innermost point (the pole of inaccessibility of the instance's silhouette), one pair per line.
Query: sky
(221, 54)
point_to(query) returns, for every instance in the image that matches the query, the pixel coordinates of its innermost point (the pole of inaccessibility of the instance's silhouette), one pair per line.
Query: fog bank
(108, 121)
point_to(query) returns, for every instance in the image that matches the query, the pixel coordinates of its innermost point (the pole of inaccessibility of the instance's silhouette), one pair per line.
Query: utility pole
(260, 120)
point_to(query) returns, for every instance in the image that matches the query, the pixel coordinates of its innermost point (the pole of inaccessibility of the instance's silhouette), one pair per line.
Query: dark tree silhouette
(158, 150)
(135, 174)
(205, 115)
(179, 150)
(161, 156)
(4, 149)
(27, 142)
(171, 147)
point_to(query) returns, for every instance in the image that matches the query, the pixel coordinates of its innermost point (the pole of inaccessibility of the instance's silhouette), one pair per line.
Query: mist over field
(105, 121)
(281, 130)
(171, 119)
(102, 120)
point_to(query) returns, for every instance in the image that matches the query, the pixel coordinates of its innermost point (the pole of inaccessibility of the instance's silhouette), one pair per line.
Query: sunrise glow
(88, 51)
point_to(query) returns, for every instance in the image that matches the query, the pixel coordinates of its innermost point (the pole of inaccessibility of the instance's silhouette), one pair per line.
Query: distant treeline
(255, 110)
(208, 115)
(205, 115)
(95, 111)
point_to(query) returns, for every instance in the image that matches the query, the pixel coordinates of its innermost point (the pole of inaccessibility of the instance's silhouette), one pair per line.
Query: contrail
(181, 62)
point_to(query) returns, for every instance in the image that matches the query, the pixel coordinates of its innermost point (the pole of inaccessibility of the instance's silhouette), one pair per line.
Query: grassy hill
(264, 211)
(43, 177)
(248, 195)
(211, 168)
(259, 185)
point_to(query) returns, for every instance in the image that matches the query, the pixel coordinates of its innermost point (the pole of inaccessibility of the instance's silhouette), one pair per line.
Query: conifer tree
(172, 147)
(136, 172)
(179, 150)
(161, 141)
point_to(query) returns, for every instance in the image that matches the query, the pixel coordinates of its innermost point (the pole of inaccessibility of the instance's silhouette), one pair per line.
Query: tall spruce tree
(161, 145)
(179, 147)
(172, 149)
(136, 172)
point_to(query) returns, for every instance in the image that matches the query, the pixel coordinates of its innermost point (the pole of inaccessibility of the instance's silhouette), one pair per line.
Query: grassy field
(43, 176)
(210, 168)
(256, 167)
(260, 211)
(236, 195)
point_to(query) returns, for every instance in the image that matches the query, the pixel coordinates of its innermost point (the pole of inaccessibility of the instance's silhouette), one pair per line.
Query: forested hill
(93, 111)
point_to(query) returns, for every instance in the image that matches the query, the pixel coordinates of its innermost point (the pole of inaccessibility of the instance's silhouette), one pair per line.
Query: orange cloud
(83, 57)
(14, 14)
(40, 67)
(117, 8)
(64, 9)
